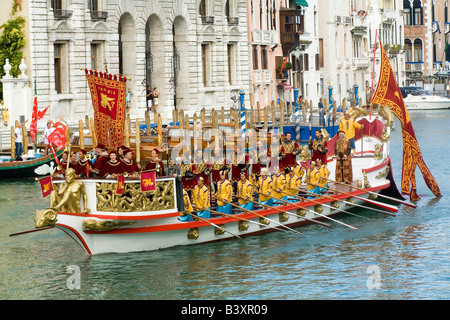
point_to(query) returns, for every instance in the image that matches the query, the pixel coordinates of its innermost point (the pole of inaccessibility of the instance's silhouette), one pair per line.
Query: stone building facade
(195, 52)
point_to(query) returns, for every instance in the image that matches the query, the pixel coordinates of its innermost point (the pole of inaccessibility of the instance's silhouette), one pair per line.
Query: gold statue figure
(68, 197)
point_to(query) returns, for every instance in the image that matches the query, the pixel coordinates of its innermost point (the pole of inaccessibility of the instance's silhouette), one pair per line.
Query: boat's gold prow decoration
(45, 218)
(305, 155)
(105, 225)
(66, 197)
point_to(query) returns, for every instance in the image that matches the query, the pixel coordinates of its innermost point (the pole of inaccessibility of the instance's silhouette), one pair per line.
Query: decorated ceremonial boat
(102, 221)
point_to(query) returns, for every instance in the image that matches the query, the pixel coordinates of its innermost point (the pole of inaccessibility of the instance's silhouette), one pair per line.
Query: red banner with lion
(108, 99)
(388, 94)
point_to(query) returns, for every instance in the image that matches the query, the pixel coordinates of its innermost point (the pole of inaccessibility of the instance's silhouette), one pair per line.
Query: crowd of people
(264, 176)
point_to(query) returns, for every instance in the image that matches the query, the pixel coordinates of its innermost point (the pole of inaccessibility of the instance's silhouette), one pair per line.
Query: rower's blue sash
(324, 189)
(186, 218)
(268, 202)
(316, 190)
(276, 204)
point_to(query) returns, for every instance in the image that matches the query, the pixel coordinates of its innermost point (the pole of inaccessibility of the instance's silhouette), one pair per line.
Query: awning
(286, 86)
(302, 3)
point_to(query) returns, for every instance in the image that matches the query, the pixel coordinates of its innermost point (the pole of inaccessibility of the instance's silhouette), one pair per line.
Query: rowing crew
(269, 189)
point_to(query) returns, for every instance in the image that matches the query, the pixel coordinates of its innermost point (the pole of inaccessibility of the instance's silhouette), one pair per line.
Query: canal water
(388, 258)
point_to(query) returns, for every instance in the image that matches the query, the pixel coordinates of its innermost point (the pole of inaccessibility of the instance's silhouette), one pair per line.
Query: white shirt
(18, 134)
(47, 132)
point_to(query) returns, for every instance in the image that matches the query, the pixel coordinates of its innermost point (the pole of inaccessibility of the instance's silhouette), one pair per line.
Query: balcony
(61, 14)
(414, 66)
(267, 77)
(207, 19)
(99, 15)
(338, 63)
(359, 31)
(258, 78)
(233, 21)
(361, 63)
(256, 37)
(389, 15)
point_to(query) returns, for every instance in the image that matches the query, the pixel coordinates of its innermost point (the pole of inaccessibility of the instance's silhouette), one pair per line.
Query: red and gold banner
(388, 94)
(120, 185)
(148, 181)
(46, 186)
(108, 99)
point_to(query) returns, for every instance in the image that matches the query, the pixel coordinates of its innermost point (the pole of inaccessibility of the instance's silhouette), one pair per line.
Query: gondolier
(278, 185)
(319, 146)
(312, 178)
(324, 173)
(293, 183)
(265, 188)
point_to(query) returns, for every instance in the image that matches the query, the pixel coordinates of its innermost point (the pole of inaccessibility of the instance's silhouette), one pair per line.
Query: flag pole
(373, 71)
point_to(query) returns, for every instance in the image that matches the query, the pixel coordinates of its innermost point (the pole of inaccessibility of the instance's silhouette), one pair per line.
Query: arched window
(407, 13)
(408, 50)
(418, 12)
(418, 50)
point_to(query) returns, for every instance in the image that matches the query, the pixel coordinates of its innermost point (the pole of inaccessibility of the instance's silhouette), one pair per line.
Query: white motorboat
(416, 98)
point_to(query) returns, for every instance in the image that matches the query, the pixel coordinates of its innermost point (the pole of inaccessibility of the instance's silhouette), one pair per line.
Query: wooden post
(175, 117)
(81, 134)
(266, 118)
(147, 122)
(138, 141)
(222, 118)
(202, 117)
(252, 117)
(87, 123)
(258, 110)
(127, 131)
(281, 117)
(13, 142)
(272, 109)
(92, 131)
(195, 132)
(160, 138)
(25, 139)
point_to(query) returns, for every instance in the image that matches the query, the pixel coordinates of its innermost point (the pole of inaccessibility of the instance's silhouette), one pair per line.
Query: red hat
(101, 146)
(83, 151)
(111, 152)
(157, 151)
(126, 150)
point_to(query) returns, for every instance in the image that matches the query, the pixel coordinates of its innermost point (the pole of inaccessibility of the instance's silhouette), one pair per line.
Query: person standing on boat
(201, 198)
(19, 140)
(224, 194)
(244, 192)
(318, 146)
(187, 175)
(185, 216)
(259, 159)
(277, 155)
(293, 183)
(112, 167)
(155, 164)
(174, 171)
(265, 188)
(291, 149)
(348, 126)
(278, 185)
(239, 163)
(83, 166)
(342, 153)
(102, 158)
(200, 167)
(312, 178)
(128, 165)
(47, 132)
(218, 164)
(324, 173)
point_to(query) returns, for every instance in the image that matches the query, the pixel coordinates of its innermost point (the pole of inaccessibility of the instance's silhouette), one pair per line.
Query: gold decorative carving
(382, 174)
(349, 200)
(385, 136)
(45, 218)
(193, 234)
(305, 155)
(133, 199)
(318, 208)
(264, 221)
(366, 181)
(67, 196)
(301, 212)
(243, 225)
(219, 231)
(373, 196)
(283, 217)
(104, 225)
(378, 152)
(386, 113)
(335, 204)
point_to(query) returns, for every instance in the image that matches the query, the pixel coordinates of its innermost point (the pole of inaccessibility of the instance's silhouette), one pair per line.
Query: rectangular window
(407, 17)
(264, 58)
(231, 63)
(321, 57)
(95, 56)
(57, 48)
(306, 62)
(255, 58)
(206, 63)
(418, 16)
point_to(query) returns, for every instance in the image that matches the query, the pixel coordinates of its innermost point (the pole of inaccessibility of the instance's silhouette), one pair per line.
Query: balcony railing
(62, 14)
(207, 19)
(361, 63)
(414, 66)
(99, 15)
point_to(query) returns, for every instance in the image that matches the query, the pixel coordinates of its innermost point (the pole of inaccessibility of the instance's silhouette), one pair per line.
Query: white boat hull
(426, 103)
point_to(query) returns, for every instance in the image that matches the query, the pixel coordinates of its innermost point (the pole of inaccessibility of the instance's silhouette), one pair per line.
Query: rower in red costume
(112, 167)
(155, 164)
(83, 166)
(239, 163)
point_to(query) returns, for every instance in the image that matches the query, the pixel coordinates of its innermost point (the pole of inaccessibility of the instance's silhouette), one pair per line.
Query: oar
(352, 204)
(376, 203)
(323, 204)
(381, 195)
(240, 218)
(319, 214)
(287, 212)
(29, 231)
(213, 224)
(261, 216)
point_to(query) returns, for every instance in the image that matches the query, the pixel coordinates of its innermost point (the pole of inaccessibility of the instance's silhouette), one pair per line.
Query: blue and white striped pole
(242, 95)
(297, 115)
(330, 103)
(356, 96)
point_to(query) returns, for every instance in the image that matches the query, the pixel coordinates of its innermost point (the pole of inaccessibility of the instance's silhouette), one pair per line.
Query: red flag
(108, 99)
(58, 136)
(42, 113)
(46, 186)
(388, 93)
(148, 181)
(120, 185)
(33, 125)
